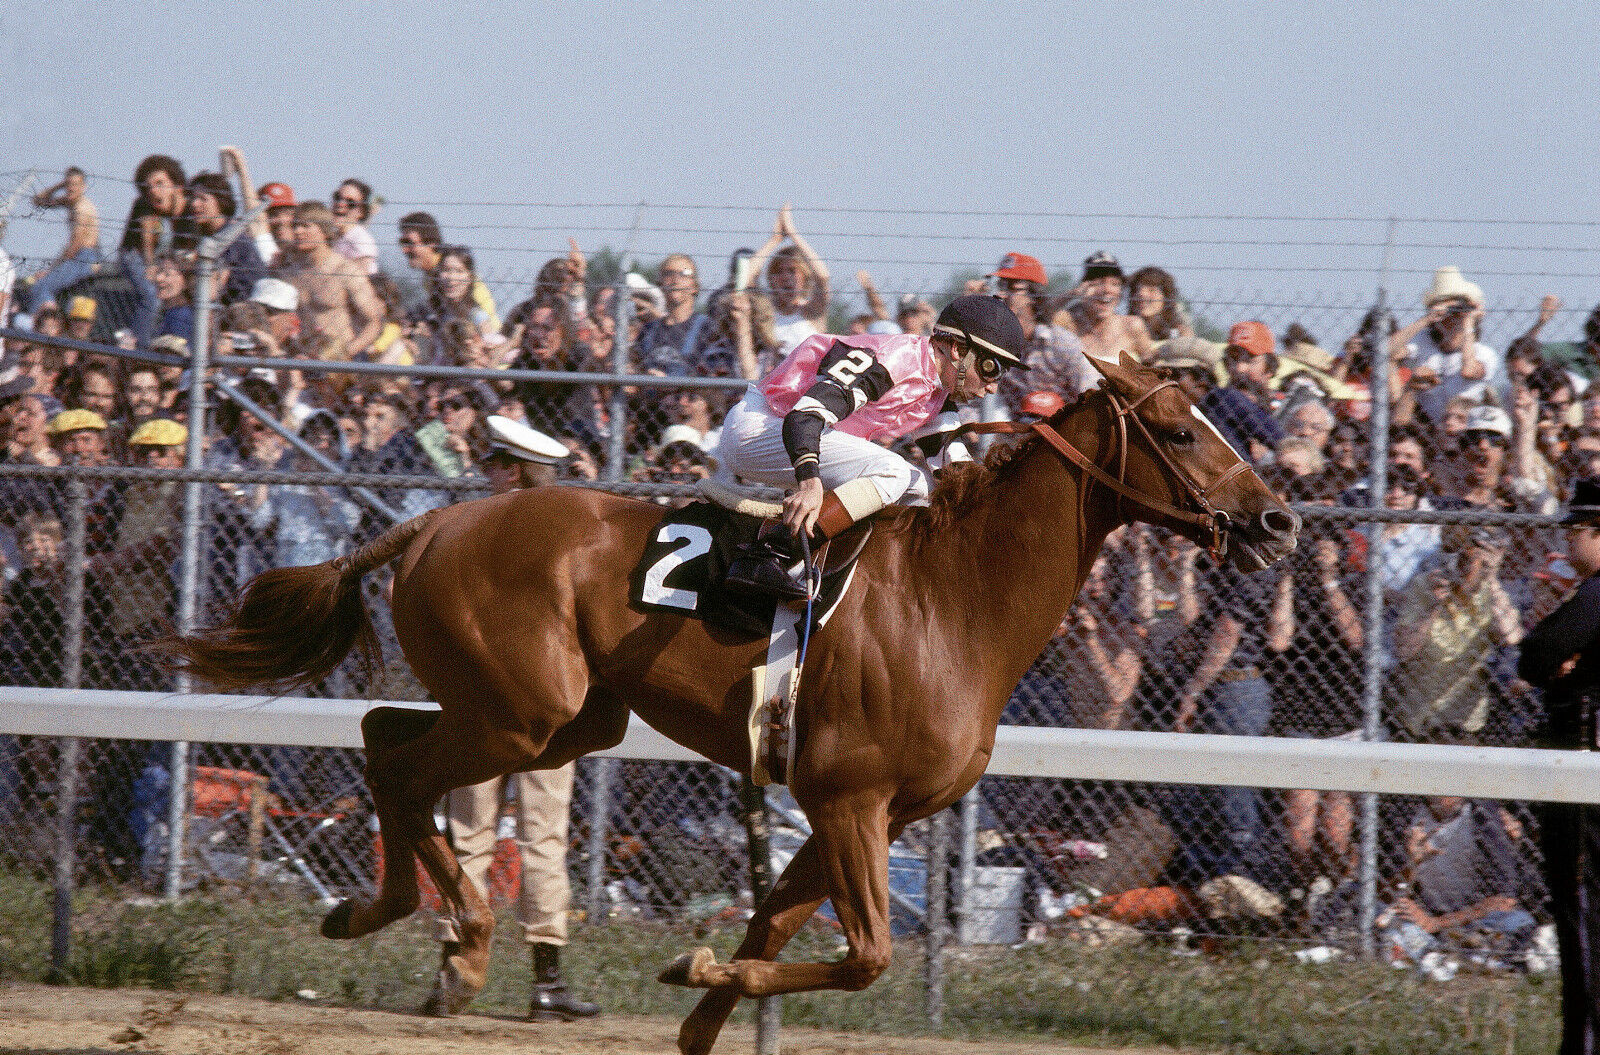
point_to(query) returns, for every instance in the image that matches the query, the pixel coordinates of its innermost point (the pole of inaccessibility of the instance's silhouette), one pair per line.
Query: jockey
(815, 421)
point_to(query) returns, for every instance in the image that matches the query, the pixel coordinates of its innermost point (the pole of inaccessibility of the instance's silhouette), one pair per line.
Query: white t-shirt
(1425, 354)
(791, 330)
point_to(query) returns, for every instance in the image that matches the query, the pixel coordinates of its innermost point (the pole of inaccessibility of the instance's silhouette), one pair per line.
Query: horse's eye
(1181, 438)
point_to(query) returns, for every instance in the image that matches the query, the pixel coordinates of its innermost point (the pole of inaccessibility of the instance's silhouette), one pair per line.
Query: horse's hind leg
(793, 899)
(383, 729)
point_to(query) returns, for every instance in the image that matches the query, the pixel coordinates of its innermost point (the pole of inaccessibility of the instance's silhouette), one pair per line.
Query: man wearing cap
(280, 201)
(1482, 478)
(1443, 350)
(1054, 356)
(519, 457)
(1561, 656)
(1242, 409)
(79, 437)
(812, 424)
(1195, 362)
(281, 301)
(1092, 312)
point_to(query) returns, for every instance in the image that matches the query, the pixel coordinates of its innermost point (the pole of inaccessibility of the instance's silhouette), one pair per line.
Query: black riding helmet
(986, 325)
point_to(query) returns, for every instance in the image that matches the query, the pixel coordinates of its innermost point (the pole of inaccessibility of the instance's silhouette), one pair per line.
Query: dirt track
(44, 1020)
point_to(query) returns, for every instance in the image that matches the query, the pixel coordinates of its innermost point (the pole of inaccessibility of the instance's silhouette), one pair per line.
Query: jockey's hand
(800, 509)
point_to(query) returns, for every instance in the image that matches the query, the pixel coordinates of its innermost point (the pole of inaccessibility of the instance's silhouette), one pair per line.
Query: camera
(1459, 307)
(241, 341)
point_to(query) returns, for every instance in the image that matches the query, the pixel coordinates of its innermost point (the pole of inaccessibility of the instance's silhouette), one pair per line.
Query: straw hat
(1449, 285)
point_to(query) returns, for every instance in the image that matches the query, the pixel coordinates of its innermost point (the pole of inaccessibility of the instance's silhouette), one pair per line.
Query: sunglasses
(340, 199)
(454, 403)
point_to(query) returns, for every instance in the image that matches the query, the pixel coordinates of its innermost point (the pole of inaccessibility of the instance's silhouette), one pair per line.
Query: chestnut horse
(514, 612)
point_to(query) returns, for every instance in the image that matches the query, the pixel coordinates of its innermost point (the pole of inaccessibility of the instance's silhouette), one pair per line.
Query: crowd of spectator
(1160, 639)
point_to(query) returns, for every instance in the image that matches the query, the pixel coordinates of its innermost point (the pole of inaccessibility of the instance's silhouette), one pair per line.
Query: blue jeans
(1222, 829)
(147, 308)
(72, 270)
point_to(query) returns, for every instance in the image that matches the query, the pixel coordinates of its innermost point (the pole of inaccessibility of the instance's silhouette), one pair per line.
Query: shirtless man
(334, 291)
(81, 255)
(1092, 314)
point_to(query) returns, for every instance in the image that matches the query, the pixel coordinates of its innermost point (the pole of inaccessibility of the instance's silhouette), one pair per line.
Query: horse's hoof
(336, 924)
(688, 969)
(447, 999)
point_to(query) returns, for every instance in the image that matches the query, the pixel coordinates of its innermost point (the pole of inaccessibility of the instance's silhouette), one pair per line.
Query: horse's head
(1188, 477)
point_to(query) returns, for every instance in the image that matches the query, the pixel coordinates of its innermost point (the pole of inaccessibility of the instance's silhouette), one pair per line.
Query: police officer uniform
(1561, 655)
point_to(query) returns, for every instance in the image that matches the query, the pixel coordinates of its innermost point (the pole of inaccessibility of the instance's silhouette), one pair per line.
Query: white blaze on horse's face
(1214, 430)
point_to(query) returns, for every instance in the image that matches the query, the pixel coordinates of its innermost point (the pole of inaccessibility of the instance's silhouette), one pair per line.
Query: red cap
(1253, 337)
(1042, 403)
(1022, 266)
(277, 195)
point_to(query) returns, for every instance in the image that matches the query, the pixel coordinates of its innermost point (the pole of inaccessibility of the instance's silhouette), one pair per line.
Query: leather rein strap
(1210, 518)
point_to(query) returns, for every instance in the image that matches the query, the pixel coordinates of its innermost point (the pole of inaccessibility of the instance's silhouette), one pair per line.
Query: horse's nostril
(1280, 523)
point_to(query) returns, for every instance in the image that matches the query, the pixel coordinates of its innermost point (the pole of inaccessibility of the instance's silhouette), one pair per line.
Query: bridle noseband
(1209, 518)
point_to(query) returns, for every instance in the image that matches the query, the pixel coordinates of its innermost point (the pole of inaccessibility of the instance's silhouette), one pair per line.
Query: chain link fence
(1043, 860)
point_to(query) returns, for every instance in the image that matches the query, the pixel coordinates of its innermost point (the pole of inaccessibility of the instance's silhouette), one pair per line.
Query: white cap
(1489, 419)
(520, 441)
(275, 293)
(681, 434)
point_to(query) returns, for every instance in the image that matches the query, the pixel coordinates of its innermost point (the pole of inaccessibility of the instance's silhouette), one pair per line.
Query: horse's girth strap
(1078, 458)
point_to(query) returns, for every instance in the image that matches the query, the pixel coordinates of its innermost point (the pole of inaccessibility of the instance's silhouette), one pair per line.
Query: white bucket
(995, 906)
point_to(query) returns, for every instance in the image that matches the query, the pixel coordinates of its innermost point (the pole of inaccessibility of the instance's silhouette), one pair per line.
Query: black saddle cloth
(686, 560)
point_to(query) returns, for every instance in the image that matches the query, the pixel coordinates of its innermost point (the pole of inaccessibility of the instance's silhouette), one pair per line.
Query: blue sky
(1067, 125)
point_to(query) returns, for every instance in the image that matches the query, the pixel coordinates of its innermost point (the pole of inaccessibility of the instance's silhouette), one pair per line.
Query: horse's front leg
(852, 841)
(792, 900)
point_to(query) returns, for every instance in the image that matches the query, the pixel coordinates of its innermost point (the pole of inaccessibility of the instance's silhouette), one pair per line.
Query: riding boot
(551, 1000)
(762, 567)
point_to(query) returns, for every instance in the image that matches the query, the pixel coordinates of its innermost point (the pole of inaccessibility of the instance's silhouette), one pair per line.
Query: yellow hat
(81, 307)
(74, 420)
(159, 432)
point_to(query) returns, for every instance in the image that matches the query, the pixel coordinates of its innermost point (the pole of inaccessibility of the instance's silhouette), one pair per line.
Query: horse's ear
(1128, 361)
(1121, 377)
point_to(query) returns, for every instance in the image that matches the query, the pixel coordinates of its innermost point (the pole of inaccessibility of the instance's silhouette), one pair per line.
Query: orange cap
(1022, 266)
(277, 195)
(1253, 337)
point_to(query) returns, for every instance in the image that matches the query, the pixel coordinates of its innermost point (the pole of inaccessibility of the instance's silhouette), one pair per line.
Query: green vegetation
(1248, 997)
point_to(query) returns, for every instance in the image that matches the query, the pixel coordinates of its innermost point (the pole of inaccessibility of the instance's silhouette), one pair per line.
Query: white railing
(1084, 754)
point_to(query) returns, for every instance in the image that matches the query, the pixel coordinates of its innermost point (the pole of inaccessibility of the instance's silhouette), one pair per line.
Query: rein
(1209, 519)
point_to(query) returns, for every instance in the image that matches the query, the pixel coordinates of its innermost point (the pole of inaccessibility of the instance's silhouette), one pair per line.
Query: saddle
(683, 570)
(684, 564)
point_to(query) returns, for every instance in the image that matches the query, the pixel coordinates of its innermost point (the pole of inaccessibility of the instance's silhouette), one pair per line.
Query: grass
(1248, 997)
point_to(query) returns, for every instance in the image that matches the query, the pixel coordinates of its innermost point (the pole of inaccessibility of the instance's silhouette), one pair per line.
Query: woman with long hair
(1153, 297)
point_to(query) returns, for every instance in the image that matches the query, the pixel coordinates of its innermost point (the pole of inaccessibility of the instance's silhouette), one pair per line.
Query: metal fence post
(757, 826)
(599, 819)
(938, 828)
(1372, 654)
(70, 761)
(969, 863)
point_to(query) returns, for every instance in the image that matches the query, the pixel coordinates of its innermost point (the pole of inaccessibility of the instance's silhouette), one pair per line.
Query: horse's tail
(292, 626)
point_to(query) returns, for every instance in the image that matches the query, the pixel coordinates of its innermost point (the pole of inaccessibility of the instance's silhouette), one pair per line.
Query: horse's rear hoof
(688, 969)
(336, 924)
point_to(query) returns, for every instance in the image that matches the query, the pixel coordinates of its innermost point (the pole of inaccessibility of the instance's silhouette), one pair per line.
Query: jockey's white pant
(752, 447)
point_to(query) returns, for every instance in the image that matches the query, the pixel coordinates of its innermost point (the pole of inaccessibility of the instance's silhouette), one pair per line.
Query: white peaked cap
(520, 441)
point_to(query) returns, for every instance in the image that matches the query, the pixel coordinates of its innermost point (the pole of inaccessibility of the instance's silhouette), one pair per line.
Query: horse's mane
(965, 487)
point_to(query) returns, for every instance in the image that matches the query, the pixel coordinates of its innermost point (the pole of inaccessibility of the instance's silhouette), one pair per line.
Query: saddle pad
(684, 563)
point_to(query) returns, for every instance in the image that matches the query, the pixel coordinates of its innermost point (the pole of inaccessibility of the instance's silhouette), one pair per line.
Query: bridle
(1209, 518)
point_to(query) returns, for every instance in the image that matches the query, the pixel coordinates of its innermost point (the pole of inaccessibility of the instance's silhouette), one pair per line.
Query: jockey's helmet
(986, 325)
